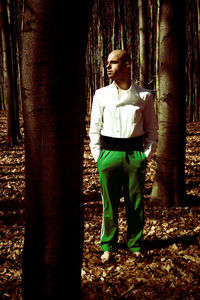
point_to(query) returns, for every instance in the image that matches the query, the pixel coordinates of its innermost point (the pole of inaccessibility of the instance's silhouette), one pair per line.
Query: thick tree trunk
(53, 106)
(168, 187)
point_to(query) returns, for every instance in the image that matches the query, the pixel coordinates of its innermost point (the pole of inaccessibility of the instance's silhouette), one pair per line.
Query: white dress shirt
(130, 116)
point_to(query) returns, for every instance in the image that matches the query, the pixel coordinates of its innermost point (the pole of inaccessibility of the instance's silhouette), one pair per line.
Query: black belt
(121, 144)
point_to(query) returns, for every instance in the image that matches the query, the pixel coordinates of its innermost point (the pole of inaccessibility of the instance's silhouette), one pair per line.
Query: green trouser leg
(134, 178)
(117, 169)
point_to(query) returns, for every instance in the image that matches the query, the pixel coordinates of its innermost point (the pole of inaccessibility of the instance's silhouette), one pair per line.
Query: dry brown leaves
(170, 267)
(11, 216)
(171, 263)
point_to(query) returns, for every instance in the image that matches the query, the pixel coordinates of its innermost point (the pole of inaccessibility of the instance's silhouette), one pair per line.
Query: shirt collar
(115, 85)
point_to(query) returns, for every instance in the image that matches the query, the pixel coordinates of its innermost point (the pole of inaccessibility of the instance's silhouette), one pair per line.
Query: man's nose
(108, 66)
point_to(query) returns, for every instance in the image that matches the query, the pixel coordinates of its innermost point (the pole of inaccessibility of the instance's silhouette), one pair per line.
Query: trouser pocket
(103, 154)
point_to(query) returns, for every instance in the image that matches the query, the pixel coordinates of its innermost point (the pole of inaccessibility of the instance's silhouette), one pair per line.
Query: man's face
(115, 66)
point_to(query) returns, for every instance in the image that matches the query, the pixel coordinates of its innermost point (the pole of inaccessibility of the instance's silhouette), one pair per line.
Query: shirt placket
(118, 122)
(117, 115)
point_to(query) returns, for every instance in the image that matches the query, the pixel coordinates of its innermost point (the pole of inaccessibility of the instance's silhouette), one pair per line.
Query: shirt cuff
(148, 154)
(95, 154)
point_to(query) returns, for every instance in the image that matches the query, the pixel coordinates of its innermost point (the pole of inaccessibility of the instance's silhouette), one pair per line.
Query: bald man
(123, 137)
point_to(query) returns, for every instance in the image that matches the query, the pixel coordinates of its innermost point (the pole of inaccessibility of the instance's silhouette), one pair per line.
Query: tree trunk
(168, 188)
(53, 106)
(8, 74)
(15, 66)
(157, 51)
(143, 43)
(198, 62)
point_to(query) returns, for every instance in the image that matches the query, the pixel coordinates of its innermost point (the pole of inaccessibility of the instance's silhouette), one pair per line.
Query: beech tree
(143, 43)
(192, 59)
(169, 182)
(9, 74)
(53, 47)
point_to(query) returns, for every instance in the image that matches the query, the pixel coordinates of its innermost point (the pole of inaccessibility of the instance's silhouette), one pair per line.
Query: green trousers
(119, 169)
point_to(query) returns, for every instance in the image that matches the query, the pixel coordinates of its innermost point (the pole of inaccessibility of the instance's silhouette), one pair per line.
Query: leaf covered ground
(170, 268)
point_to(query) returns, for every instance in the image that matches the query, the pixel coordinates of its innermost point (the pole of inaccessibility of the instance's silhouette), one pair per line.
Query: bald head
(119, 65)
(123, 55)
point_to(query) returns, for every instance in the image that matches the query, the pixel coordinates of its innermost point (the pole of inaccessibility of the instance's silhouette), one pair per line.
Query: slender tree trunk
(2, 93)
(168, 187)
(53, 106)
(15, 66)
(157, 51)
(143, 43)
(8, 74)
(197, 114)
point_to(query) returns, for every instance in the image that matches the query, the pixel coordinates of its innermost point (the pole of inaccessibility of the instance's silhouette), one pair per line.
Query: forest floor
(170, 268)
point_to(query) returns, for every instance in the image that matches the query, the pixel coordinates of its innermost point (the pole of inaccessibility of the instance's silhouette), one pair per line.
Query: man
(123, 136)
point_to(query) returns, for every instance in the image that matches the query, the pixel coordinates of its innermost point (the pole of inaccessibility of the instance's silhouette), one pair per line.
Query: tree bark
(8, 75)
(53, 107)
(168, 188)
(14, 36)
(198, 63)
(143, 43)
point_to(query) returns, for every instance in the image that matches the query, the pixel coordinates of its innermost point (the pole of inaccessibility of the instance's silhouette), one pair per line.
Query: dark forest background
(127, 24)
(114, 24)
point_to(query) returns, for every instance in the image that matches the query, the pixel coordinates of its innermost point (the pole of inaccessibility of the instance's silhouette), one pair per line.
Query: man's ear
(128, 65)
